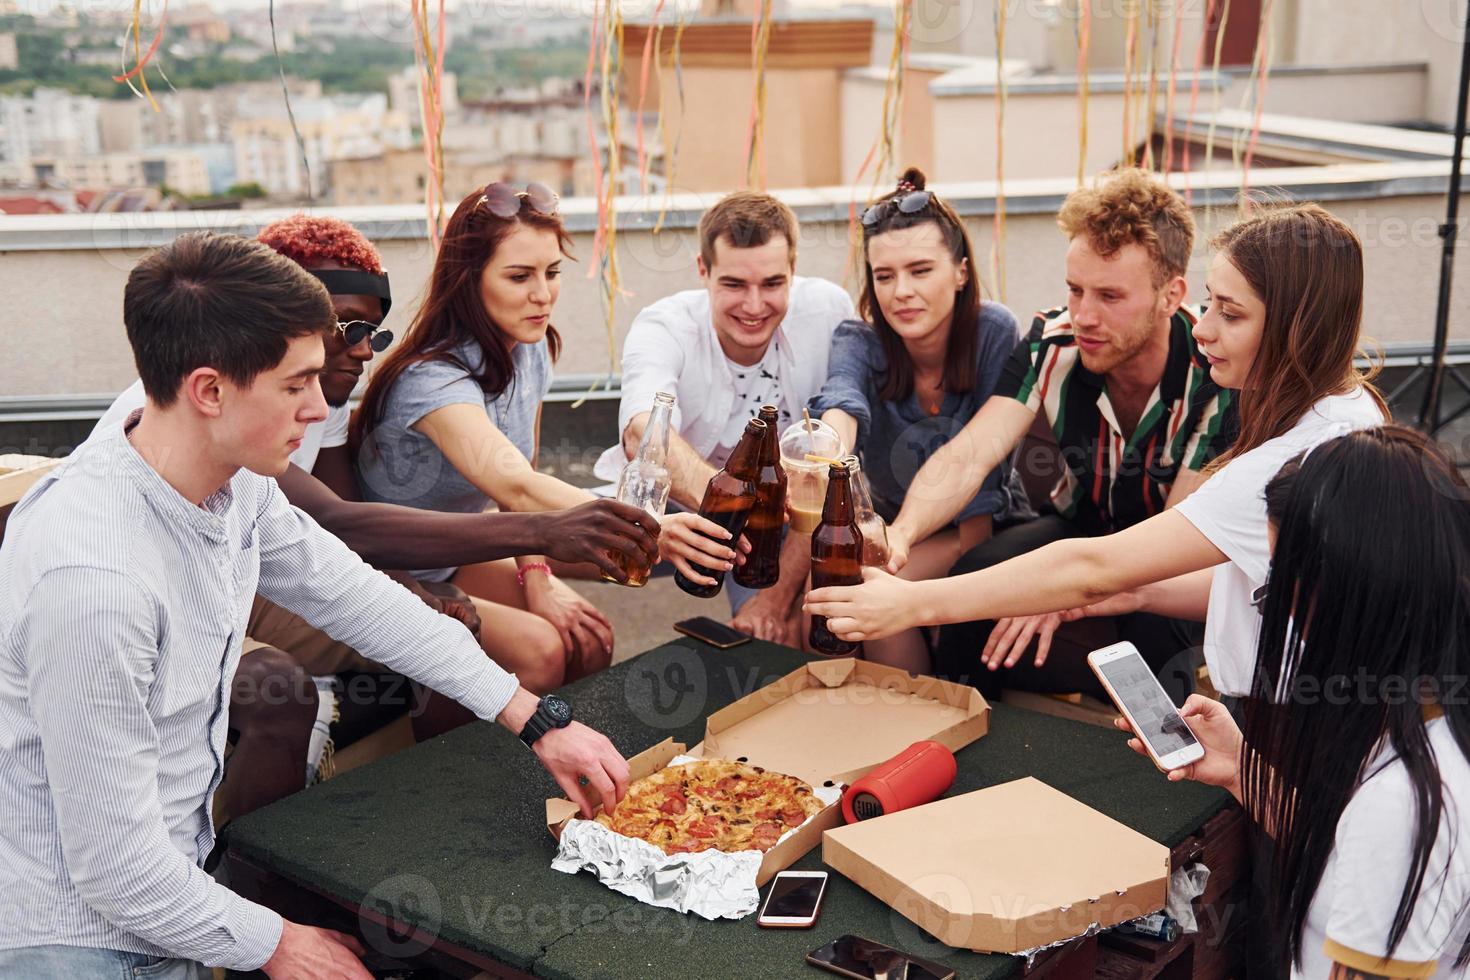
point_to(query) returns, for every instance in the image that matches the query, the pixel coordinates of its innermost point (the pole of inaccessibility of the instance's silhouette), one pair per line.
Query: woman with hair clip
(1356, 735)
(451, 421)
(901, 384)
(1282, 328)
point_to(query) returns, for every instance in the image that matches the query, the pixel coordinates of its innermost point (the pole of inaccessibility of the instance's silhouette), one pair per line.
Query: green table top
(450, 835)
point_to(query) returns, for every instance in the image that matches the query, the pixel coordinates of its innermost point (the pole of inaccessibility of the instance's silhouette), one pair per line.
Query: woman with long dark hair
(1354, 753)
(908, 376)
(451, 421)
(1282, 328)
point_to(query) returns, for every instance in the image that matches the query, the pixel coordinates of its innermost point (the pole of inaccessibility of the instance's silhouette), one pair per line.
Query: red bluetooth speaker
(920, 774)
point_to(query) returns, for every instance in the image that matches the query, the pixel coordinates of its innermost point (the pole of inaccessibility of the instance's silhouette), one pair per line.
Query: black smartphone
(715, 634)
(864, 959)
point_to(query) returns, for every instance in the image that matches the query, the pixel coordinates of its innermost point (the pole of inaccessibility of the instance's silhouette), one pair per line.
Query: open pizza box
(828, 722)
(1005, 869)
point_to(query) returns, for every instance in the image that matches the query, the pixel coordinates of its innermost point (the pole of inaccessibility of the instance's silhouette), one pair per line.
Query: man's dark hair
(220, 301)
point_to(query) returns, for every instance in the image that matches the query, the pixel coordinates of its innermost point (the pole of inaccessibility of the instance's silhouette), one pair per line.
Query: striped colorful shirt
(1111, 480)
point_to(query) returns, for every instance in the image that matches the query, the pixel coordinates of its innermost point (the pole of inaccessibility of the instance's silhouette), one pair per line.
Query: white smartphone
(794, 900)
(1139, 695)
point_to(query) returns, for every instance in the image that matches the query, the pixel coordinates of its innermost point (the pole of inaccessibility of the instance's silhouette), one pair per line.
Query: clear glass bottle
(645, 482)
(873, 527)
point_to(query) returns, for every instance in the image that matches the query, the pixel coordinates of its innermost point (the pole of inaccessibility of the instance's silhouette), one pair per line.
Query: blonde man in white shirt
(755, 334)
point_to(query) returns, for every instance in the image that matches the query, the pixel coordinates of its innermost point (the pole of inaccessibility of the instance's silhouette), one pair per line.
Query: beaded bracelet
(531, 567)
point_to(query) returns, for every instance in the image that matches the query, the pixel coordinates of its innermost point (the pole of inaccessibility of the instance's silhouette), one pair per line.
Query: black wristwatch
(551, 712)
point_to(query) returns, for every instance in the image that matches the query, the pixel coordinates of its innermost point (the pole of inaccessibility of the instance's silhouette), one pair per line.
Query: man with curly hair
(283, 651)
(1127, 394)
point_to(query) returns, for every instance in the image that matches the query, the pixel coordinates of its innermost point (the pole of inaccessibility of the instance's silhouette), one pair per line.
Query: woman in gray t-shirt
(902, 384)
(451, 421)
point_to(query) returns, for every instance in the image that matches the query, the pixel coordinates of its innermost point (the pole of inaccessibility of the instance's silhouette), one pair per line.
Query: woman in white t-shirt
(1282, 328)
(1354, 753)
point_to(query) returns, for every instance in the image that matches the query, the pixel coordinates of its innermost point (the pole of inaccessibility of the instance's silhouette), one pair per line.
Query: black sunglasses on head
(504, 201)
(910, 203)
(355, 332)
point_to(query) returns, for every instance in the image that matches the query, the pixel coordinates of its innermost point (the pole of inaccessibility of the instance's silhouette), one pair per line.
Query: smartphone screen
(854, 956)
(793, 897)
(1154, 715)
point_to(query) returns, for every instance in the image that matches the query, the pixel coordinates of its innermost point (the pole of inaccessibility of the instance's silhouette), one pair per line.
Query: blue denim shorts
(84, 963)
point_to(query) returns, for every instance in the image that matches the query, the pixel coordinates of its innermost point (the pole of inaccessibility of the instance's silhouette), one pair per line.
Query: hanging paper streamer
(1199, 65)
(1260, 75)
(1084, 45)
(880, 154)
(1173, 81)
(428, 53)
(1151, 102)
(140, 57)
(655, 33)
(1130, 65)
(605, 54)
(755, 138)
(998, 236)
(290, 114)
(671, 153)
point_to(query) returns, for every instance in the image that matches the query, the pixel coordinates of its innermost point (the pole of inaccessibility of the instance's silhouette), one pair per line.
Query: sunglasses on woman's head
(911, 203)
(504, 201)
(355, 332)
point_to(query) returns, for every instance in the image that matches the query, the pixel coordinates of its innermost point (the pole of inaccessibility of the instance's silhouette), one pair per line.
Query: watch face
(557, 709)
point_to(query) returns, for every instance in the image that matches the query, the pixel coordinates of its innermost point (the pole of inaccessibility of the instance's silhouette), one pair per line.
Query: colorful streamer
(1260, 75)
(1173, 81)
(671, 155)
(998, 236)
(1084, 45)
(290, 113)
(880, 154)
(429, 59)
(755, 137)
(654, 31)
(140, 58)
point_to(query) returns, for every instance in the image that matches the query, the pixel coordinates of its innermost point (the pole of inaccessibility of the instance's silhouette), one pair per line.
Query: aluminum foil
(712, 884)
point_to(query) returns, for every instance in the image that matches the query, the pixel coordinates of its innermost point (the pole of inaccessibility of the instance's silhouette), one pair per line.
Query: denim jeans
(84, 963)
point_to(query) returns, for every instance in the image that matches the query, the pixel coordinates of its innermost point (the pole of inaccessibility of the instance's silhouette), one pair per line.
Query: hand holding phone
(1133, 687)
(1218, 734)
(794, 900)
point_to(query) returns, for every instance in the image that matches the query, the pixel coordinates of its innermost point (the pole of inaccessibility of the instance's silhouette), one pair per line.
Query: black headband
(353, 282)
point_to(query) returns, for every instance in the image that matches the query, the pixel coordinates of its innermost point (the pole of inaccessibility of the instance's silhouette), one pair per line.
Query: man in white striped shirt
(126, 578)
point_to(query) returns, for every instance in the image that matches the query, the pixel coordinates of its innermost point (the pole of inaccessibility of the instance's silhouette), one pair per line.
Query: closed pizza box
(828, 722)
(1004, 869)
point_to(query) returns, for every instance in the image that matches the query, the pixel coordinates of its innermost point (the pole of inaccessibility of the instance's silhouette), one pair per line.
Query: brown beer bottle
(728, 498)
(837, 556)
(762, 568)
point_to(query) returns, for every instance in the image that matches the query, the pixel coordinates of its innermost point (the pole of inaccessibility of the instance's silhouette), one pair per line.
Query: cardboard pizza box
(1004, 869)
(828, 722)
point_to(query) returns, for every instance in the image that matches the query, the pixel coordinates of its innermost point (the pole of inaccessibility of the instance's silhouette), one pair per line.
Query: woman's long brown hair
(1306, 265)
(960, 352)
(454, 311)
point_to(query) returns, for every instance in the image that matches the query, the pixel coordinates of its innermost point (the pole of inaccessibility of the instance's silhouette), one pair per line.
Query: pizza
(712, 805)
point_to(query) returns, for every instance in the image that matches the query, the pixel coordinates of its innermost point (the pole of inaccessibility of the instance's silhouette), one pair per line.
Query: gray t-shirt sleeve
(856, 352)
(427, 387)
